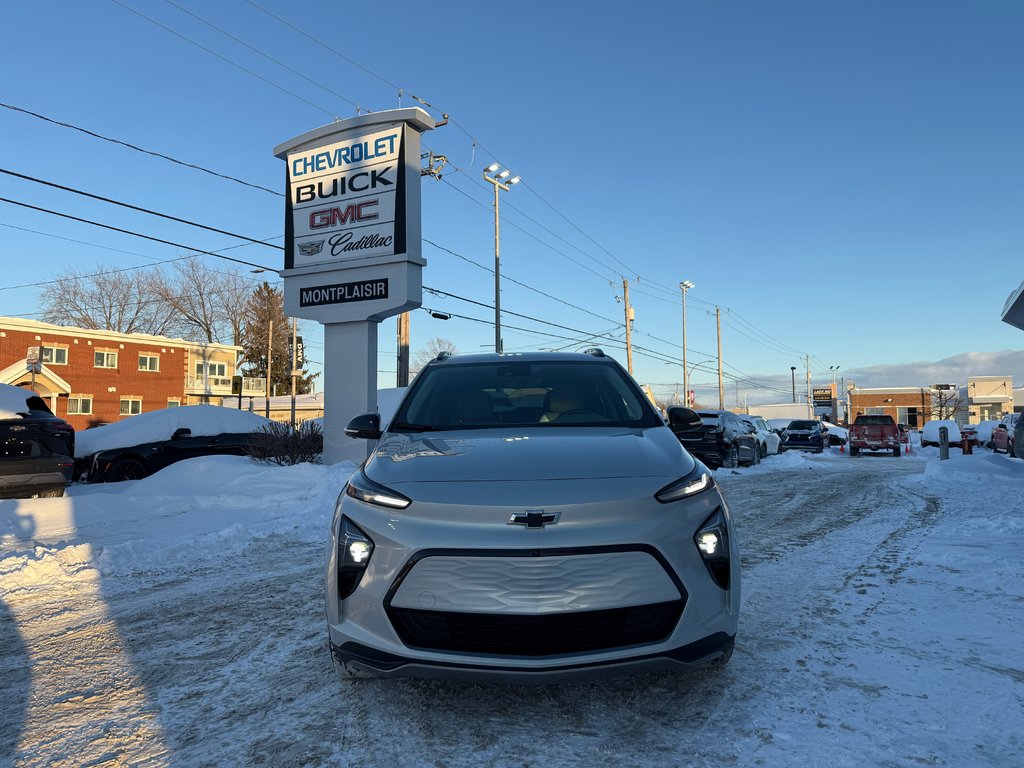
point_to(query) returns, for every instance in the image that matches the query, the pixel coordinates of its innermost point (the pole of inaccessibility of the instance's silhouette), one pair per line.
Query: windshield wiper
(404, 427)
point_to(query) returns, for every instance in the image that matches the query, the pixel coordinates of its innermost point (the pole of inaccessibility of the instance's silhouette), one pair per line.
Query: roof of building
(35, 326)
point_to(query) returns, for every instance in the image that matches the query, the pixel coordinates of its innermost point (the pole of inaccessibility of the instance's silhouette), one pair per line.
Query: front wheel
(896, 452)
(729, 460)
(126, 469)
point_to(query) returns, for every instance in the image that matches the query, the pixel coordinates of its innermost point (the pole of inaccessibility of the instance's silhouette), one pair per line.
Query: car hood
(549, 453)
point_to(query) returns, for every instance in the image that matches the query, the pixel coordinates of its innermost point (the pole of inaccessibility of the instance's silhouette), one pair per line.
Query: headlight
(363, 488)
(697, 482)
(712, 540)
(354, 550)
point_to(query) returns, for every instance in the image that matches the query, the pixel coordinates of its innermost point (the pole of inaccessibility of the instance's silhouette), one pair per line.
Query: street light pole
(494, 174)
(792, 372)
(684, 287)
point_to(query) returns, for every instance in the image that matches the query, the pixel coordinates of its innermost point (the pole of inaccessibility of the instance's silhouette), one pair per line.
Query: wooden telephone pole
(403, 350)
(629, 323)
(721, 386)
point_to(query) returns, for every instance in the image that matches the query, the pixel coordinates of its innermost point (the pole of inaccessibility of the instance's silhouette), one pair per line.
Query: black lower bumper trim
(384, 662)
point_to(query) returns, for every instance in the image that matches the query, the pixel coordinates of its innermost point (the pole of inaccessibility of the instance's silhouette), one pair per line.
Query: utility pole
(810, 408)
(684, 287)
(629, 321)
(501, 181)
(721, 386)
(295, 364)
(403, 350)
(270, 348)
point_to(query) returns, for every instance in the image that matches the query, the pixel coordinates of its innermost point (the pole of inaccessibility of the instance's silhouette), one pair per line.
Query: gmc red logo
(334, 217)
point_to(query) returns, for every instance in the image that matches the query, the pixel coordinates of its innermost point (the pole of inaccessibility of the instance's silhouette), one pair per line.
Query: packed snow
(160, 425)
(930, 431)
(178, 621)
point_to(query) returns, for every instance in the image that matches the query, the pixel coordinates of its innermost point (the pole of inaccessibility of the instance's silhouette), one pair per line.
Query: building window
(907, 416)
(53, 355)
(105, 359)
(131, 406)
(149, 363)
(212, 369)
(173, 402)
(79, 404)
(874, 411)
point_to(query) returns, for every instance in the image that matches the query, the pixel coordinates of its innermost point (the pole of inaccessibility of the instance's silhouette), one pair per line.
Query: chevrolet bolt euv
(529, 518)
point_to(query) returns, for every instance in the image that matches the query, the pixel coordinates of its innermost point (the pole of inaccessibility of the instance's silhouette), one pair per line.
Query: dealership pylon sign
(353, 247)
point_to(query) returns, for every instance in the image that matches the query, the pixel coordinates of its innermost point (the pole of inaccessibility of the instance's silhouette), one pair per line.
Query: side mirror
(181, 432)
(681, 419)
(365, 426)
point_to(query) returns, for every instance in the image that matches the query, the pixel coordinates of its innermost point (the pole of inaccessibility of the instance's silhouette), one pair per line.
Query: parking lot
(882, 610)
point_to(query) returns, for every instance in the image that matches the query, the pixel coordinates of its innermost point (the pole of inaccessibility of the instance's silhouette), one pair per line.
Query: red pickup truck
(874, 433)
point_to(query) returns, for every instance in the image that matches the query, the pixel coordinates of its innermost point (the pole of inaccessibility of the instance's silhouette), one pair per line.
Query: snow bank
(977, 467)
(930, 431)
(160, 425)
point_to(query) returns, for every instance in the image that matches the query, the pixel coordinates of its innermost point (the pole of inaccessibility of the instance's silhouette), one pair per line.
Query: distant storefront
(906, 405)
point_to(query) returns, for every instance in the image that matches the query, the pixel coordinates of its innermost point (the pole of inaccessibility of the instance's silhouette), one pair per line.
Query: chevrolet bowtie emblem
(533, 518)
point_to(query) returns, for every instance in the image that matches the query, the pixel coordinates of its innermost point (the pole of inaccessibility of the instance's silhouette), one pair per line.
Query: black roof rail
(443, 355)
(595, 351)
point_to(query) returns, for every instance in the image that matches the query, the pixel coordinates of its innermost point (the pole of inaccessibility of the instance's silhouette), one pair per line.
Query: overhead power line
(136, 234)
(138, 208)
(137, 148)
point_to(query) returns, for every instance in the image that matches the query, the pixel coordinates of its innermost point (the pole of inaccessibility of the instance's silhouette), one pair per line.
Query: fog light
(354, 550)
(358, 551)
(712, 540)
(707, 542)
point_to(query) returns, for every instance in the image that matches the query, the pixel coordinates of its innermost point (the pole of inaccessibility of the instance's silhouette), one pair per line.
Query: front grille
(536, 634)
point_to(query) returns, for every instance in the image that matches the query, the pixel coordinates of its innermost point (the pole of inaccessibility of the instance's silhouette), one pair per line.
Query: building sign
(346, 200)
(822, 395)
(342, 293)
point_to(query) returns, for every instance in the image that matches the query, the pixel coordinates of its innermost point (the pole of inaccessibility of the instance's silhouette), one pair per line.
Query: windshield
(803, 425)
(523, 394)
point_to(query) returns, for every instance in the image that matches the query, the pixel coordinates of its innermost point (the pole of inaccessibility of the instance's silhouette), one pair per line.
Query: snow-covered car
(768, 440)
(983, 431)
(140, 445)
(35, 446)
(529, 518)
(930, 432)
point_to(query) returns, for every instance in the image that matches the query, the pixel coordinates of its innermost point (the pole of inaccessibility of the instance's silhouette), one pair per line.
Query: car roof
(592, 356)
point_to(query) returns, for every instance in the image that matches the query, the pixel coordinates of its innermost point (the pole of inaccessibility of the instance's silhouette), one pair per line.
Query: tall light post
(684, 287)
(792, 373)
(494, 174)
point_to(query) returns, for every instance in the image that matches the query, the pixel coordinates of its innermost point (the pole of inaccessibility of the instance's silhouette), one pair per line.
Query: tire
(126, 469)
(729, 460)
(854, 450)
(757, 455)
(897, 452)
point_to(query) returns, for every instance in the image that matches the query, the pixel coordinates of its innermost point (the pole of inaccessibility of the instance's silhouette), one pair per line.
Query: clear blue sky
(845, 178)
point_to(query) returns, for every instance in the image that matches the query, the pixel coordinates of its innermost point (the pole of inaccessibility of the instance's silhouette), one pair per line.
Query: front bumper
(613, 587)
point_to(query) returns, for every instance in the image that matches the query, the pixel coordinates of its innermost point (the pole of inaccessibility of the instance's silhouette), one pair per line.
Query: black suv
(36, 447)
(722, 440)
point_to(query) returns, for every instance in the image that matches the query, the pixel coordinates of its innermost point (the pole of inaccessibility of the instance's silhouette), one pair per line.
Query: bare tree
(106, 299)
(434, 347)
(946, 402)
(208, 304)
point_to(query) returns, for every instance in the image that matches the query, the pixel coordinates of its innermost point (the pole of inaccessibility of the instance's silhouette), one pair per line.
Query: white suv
(529, 518)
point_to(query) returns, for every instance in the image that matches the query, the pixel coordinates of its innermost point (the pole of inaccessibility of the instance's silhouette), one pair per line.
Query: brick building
(906, 405)
(91, 377)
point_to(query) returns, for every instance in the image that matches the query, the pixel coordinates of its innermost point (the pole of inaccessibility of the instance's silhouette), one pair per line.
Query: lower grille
(536, 635)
